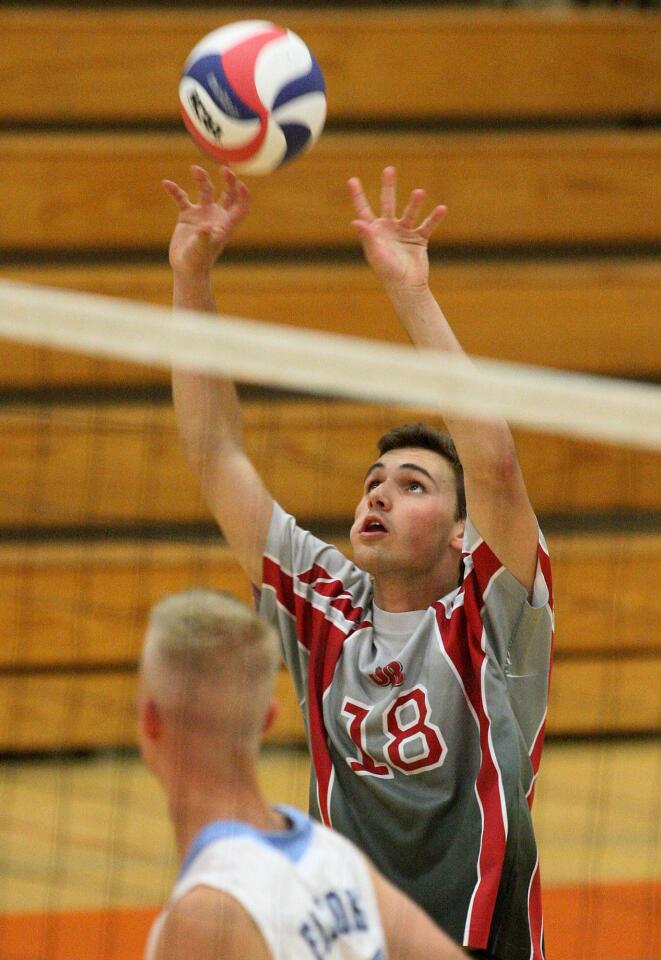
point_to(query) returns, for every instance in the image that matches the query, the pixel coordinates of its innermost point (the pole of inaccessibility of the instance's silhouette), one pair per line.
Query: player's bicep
(209, 925)
(499, 507)
(242, 505)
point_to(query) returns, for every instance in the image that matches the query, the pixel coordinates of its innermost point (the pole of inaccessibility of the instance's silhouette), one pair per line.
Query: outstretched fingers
(360, 201)
(428, 225)
(389, 193)
(179, 196)
(234, 200)
(412, 210)
(204, 185)
(242, 199)
(231, 190)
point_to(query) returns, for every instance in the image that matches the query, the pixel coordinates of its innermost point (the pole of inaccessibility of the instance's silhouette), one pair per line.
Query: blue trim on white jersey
(291, 843)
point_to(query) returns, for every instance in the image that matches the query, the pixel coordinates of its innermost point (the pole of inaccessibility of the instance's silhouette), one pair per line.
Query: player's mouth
(372, 528)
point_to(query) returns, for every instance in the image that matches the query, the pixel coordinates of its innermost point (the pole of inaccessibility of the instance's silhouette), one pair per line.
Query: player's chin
(368, 556)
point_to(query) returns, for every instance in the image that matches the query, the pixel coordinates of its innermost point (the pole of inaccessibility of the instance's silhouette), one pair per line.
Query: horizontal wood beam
(109, 464)
(598, 316)
(605, 696)
(94, 191)
(98, 710)
(93, 711)
(378, 64)
(86, 605)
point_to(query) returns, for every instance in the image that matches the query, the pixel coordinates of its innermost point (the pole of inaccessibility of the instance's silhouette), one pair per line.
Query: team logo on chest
(390, 675)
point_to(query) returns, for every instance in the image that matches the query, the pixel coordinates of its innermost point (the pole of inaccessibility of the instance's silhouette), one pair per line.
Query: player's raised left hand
(395, 247)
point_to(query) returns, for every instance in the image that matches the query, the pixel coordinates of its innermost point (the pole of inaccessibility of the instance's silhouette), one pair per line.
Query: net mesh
(99, 517)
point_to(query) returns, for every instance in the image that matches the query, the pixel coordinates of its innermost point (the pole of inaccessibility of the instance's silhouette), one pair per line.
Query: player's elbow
(495, 464)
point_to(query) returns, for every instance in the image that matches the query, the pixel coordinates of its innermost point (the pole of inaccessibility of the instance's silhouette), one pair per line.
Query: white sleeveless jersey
(307, 889)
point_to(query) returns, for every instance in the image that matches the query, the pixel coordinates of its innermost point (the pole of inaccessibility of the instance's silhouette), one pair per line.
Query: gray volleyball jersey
(308, 890)
(425, 745)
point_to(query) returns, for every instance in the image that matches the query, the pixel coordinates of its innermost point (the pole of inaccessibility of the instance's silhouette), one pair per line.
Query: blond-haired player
(255, 881)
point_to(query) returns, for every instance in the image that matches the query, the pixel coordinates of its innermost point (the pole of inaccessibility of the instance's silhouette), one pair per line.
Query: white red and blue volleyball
(252, 96)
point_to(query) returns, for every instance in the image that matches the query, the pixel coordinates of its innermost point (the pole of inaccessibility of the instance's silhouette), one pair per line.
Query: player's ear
(271, 714)
(151, 721)
(457, 537)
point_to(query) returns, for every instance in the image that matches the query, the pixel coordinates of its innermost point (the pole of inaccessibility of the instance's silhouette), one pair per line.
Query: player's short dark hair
(428, 438)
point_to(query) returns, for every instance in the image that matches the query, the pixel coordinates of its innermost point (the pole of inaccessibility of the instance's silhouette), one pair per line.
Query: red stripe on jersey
(545, 566)
(324, 640)
(485, 565)
(323, 661)
(323, 583)
(468, 660)
(283, 583)
(536, 749)
(535, 758)
(535, 918)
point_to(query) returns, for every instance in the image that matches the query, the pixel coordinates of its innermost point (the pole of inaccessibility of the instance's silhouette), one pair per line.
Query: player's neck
(195, 801)
(396, 593)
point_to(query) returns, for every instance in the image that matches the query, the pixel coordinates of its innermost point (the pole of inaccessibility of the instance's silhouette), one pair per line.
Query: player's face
(406, 517)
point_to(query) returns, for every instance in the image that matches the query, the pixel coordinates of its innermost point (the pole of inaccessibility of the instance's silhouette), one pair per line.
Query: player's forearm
(207, 409)
(193, 290)
(482, 445)
(208, 416)
(423, 319)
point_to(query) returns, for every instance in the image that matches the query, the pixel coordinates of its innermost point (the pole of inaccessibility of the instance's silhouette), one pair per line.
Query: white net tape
(563, 402)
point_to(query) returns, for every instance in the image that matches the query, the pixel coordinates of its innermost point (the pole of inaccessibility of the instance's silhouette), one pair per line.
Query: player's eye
(416, 487)
(371, 484)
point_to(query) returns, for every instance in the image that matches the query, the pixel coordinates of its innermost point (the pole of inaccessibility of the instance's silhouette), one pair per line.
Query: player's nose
(378, 497)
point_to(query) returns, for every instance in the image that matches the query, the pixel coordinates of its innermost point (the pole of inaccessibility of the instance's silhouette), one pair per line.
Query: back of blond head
(210, 657)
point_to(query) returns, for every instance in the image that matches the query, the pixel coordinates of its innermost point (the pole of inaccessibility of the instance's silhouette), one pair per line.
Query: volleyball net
(96, 475)
(100, 517)
(334, 365)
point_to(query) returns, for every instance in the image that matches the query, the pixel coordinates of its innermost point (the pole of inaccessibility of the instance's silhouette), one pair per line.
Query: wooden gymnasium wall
(539, 129)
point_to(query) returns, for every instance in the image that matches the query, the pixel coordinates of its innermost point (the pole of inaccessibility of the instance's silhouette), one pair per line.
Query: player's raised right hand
(203, 229)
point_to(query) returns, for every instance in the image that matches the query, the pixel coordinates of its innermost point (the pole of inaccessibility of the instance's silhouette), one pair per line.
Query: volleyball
(252, 96)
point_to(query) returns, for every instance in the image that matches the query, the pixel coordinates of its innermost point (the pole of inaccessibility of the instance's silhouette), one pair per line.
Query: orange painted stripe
(605, 922)
(112, 934)
(608, 922)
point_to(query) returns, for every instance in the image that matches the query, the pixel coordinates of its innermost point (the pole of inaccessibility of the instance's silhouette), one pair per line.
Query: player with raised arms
(255, 881)
(422, 667)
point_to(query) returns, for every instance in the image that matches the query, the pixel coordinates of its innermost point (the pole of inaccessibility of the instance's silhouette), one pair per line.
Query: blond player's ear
(150, 720)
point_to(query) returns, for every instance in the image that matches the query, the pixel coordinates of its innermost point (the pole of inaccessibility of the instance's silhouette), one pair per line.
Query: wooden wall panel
(121, 464)
(74, 612)
(467, 63)
(78, 603)
(92, 191)
(599, 316)
(603, 601)
(96, 711)
(605, 696)
(50, 712)
(88, 603)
